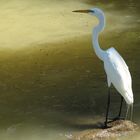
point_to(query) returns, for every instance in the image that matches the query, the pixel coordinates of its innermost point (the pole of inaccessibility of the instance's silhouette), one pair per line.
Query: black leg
(119, 115)
(120, 110)
(108, 105)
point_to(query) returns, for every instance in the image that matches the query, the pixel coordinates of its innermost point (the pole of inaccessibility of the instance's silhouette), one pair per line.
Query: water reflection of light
(28, 22)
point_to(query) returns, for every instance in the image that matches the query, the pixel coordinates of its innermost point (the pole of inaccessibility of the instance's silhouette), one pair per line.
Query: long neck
(95, 35)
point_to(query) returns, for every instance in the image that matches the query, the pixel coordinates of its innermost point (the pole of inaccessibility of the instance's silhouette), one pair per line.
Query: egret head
(94, 11)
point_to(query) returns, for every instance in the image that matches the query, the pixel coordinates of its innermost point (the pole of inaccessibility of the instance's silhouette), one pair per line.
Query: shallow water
(52, 84)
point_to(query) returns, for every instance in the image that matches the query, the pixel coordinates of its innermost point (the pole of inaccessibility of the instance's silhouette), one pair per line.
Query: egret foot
(106, 126)
(115, 119)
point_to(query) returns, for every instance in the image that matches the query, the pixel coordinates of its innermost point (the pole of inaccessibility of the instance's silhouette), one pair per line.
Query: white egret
(115, 67)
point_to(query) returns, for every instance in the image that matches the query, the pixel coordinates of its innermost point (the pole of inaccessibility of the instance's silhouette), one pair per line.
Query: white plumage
(118, 74)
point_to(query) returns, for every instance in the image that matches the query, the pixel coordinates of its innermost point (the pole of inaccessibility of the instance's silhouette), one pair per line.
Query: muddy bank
(117, 129)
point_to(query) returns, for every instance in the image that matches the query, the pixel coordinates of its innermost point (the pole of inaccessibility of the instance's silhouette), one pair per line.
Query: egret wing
(117, 71)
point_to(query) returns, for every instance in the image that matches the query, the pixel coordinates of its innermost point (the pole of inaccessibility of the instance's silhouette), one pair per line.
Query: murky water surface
(51, 82)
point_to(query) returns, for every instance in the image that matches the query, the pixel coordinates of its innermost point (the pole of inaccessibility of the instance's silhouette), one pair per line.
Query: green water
(51, 82)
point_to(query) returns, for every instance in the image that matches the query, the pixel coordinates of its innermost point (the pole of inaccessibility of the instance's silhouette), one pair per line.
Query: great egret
(115, 67)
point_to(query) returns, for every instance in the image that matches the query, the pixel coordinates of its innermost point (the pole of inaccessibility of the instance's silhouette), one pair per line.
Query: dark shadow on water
(98, 125)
